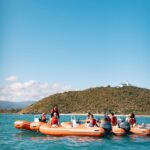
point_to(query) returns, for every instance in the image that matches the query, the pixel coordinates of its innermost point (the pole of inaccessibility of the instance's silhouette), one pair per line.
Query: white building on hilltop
(124, 84)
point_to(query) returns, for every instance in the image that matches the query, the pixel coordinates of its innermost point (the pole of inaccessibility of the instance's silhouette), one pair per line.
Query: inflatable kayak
(140, 130)
(21, 124)
(68, 130)
(36, 125)
(105, 128)
(118, 131)
(121, 129)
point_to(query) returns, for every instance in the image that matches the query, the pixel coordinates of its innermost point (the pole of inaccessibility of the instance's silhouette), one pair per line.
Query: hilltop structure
(124, 84)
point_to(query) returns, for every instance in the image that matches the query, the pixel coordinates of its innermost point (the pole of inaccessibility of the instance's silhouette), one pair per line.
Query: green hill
(97, 100)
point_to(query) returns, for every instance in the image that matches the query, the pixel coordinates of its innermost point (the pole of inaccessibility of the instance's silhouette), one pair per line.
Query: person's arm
(91, 121)
(58, 122)
(50, 121)
(134, 122)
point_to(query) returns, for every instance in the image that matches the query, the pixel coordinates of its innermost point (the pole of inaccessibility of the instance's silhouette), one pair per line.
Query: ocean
(14, 139)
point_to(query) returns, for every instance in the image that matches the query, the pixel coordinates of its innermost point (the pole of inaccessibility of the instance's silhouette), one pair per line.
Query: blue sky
(82, 43)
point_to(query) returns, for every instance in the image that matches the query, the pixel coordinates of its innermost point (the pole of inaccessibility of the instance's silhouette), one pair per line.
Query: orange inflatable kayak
(118, 131)
(140, 131)
(68, 130)
(21, 124)
(115, 130)
(36, 125)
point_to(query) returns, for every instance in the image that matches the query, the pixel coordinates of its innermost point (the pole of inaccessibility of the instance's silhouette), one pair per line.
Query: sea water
(14, 139)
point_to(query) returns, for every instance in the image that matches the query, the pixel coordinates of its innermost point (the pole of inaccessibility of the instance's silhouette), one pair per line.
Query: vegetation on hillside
(9, 111)
(97, 100)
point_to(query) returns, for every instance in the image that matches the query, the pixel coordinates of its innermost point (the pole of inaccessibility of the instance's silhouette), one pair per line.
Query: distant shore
(75, 114)
(71, 114)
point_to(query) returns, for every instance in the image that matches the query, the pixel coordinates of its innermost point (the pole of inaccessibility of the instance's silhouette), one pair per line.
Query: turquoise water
(13, 139)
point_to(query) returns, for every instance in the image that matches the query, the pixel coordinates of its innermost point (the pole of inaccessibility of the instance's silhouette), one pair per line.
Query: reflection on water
(73, 142)
(37, 136)
(82, 139)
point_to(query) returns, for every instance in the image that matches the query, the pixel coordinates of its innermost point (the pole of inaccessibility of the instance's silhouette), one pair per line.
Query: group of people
(90, 120)
(111, 118)
(54, 117)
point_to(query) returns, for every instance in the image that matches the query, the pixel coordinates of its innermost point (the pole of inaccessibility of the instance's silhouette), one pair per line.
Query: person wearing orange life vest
(113, 119)
(54, 121)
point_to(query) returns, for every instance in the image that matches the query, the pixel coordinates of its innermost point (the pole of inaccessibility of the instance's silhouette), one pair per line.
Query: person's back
(107, 117)
(113, 119)
(106, 124)
(124, 125)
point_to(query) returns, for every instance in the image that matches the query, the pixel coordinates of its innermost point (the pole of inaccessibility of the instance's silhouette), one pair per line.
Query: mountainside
(97, 100)
(14, 105)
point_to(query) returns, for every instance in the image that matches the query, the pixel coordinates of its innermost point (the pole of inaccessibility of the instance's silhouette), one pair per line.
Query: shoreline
(71, 114)
(78, 114)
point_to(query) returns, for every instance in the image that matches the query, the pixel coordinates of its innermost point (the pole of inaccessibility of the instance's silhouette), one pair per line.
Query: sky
(50, 46)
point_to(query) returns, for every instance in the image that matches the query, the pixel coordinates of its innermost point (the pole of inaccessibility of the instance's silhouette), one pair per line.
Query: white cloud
(16, 86)
(29, 83)
(30, 90)
(11, 78)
